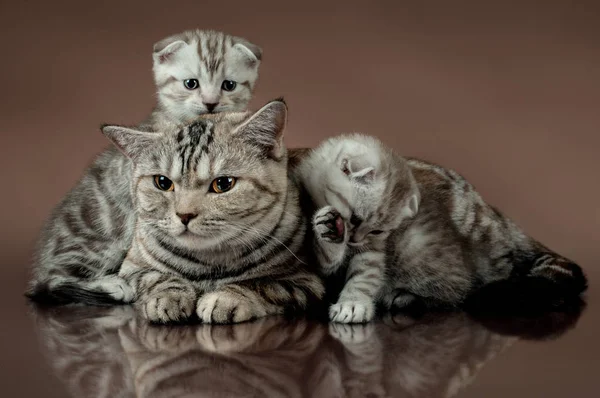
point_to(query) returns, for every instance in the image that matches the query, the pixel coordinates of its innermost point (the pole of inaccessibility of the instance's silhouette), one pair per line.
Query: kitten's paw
(168, 306)
(226, 307)
(352, 311)
(328, 225)
(351, 334)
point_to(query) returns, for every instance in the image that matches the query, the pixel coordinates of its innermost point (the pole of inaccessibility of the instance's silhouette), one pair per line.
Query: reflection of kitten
(411, 231)
(89, 232)
(107, 352)
(219, 228)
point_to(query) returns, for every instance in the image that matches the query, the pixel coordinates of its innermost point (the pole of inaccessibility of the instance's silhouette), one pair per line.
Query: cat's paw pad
(328, 225)
(352, 311)
(224, 307)
(351, 334)
(168, 306)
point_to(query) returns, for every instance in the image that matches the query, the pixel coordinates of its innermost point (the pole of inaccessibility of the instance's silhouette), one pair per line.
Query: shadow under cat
(109, 352)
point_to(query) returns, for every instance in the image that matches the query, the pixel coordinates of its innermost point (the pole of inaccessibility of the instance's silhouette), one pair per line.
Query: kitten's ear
(265, 128)
(358, 169)
(411, 204)
(251, 53)
(129, 141)
(166, 48)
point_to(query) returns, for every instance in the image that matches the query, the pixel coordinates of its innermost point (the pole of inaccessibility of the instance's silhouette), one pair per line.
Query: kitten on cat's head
(202, 71)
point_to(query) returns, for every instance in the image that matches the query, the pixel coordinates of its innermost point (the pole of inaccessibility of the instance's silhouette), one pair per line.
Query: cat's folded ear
(131, 142)
(264, 129)
(165, 49)
(251, 53)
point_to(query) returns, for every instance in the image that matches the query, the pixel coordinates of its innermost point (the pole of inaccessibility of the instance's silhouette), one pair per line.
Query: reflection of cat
(258, 359)
(110, 353)
(82, 344)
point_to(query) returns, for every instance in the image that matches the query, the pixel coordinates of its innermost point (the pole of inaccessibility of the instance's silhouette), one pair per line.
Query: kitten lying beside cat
(404, 230)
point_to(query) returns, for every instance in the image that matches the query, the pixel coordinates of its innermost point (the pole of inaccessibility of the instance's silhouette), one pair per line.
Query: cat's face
(199, 72)
(376, 193)
(220, 180)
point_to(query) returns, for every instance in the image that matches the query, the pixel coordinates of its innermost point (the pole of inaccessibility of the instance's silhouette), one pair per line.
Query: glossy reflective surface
(108, 352)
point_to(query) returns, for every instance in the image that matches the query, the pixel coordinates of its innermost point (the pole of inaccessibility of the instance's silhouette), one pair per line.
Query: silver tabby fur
(85, 240)
(407, 231)
(226, 256)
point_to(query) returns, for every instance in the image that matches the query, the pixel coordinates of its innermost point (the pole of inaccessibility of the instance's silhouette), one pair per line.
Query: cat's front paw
(168, 306)
(352, 311)
(328, 225)
(224, 307)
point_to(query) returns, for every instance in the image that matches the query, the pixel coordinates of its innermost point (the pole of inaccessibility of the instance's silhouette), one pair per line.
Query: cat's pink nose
(210, 106)
(186, 218)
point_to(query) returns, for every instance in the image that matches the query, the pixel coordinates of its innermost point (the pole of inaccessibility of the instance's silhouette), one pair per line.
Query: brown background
(507, 93)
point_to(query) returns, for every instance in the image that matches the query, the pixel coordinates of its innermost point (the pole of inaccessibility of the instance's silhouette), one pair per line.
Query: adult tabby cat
(407, 231)
(88, 234)
(219, 227)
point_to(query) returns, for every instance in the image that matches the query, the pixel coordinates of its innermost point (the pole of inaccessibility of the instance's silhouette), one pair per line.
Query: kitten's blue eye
(163, 183)
(191, 84)
(228, 85)
(222, 184)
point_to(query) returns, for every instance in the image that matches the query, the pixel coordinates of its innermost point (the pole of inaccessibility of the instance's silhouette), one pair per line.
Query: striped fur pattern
(265, 358)
(83, 347)
(227, 257)
(108, 352)
(202, 71)
(436, 357)
(405, 231)
(88, 234)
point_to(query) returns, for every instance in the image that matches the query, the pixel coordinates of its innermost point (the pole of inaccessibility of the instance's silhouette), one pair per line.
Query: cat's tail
(104, 291)
(540, 280)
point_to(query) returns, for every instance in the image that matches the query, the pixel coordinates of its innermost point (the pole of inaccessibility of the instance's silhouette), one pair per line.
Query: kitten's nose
(186, 218)
(210, 106)
(355, 220)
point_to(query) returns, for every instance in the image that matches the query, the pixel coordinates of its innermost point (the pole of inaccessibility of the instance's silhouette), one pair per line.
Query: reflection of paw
(166, 338)
(115, 317)
(226, 307)
(329, 225)
(351, 334)
(230, 338)
(352, 311)
(168, 306)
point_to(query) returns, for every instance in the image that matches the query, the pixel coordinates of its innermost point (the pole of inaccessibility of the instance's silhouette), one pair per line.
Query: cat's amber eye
(191, 84)
(228, 85)
(163, 183)
(222, 184)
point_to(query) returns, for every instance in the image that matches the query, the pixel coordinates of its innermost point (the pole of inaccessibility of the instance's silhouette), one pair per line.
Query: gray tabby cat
(407, 231)
(88, 234)
(219, 229)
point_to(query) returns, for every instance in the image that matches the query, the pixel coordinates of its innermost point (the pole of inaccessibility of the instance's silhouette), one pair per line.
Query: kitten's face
(204, 72)
(375, 194)
(220, 180)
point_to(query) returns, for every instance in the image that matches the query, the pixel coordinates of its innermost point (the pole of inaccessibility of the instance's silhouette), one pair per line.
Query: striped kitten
(88, 234)
(407, 231)
(219, 228)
